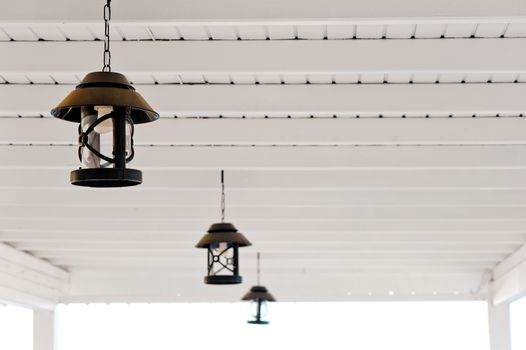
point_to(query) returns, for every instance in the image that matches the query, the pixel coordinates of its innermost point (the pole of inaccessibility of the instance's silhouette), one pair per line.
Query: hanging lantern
(259, 296)
(106, 106)
(222, 242)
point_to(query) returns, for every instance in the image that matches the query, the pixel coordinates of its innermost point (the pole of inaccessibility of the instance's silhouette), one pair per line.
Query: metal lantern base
(223, 279)
(106, 177)
(257, 322)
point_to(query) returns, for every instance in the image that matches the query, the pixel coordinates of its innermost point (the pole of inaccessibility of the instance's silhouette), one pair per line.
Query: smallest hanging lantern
(259, 296)
(222, 242)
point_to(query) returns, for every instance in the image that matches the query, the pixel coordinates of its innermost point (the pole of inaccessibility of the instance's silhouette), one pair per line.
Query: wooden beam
(29, 281)
(297, 100)
(509, 278)
(101, 285)
(270, 57)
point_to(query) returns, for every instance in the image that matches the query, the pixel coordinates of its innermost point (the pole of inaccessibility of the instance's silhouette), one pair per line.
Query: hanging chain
(258, 271)
(223, 205)
(107, 53)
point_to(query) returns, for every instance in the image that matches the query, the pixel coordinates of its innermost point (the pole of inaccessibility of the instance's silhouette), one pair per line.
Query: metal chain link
(258, 272)
(223, 205)
(107, 53)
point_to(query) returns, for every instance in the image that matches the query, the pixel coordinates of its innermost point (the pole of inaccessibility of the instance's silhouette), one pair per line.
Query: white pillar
(499, 325)
(43, 329)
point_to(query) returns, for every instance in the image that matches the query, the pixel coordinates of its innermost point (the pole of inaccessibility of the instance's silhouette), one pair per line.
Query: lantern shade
(104, 89)
(223, 232)
(258, 293)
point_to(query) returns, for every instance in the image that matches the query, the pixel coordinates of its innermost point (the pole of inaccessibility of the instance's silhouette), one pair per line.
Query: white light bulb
(107, 125)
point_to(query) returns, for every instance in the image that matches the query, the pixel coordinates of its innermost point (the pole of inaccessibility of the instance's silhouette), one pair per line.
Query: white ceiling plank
(435, 99)
(317, 256)
(272, 198)
(355, 179)
(207, 10)
(340, 247)
(265, 57)
(285, 158)
(111, 238)
(371, 225)
(337, 131)
(266, 213)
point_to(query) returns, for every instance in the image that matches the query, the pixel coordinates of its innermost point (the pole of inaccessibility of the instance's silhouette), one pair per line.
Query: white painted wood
(84, 236)
(510, 278)
(126, 286)
(266, 213)
(43, 329)
(363, 132)
(274, 56)
(499, 326)
(285, 158)
(171, 247)
(196, 225)
(306, 100)
(29, 281)
(252, 10)
(354, 179)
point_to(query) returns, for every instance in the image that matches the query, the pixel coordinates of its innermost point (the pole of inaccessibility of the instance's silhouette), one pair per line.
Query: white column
(43, 329)
(499, 325)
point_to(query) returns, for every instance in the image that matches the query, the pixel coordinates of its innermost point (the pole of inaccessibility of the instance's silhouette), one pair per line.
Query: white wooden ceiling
(372, 150)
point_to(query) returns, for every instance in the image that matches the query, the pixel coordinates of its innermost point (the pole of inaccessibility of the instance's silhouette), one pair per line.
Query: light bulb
(107, 125)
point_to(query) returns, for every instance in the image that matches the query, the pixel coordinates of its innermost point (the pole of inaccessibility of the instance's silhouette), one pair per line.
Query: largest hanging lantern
(222, 242)
(106, 106)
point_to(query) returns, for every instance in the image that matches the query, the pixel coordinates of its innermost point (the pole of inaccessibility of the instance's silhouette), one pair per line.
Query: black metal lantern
(106, 106)
(259, 296)
(222, 242)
